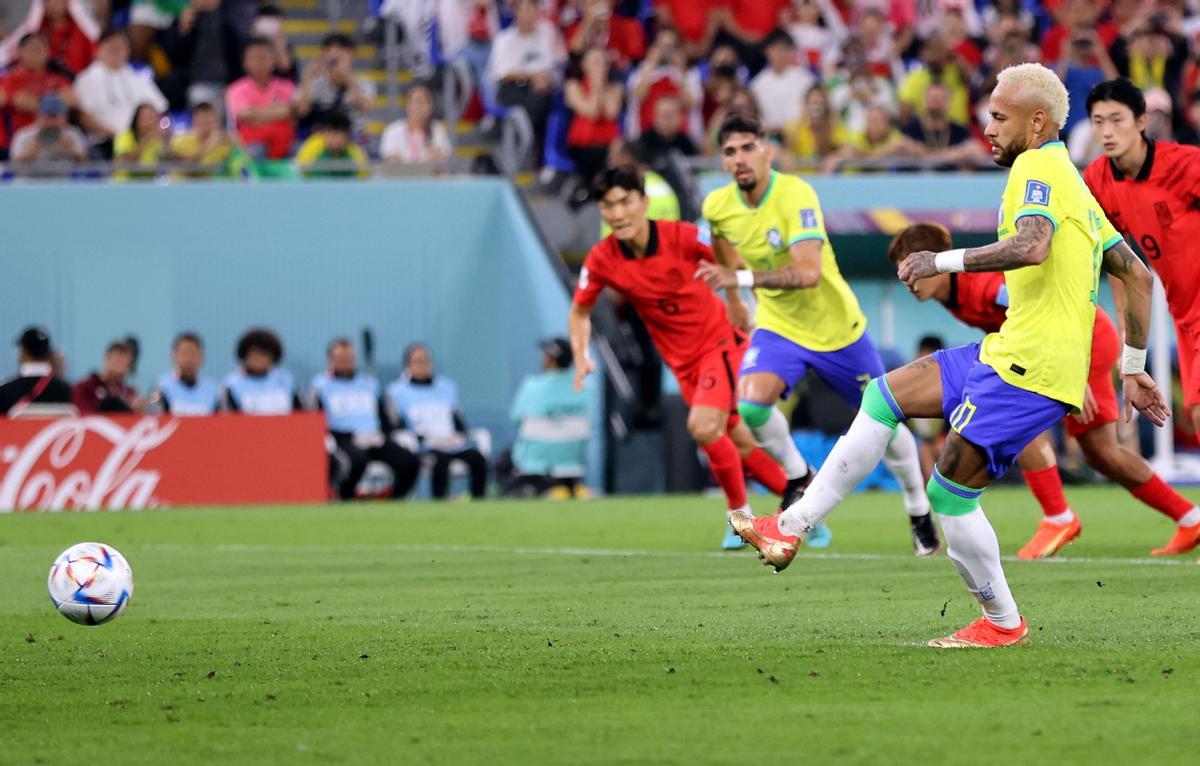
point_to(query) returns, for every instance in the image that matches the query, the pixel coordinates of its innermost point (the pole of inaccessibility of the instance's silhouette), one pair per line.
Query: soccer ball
(90, 583)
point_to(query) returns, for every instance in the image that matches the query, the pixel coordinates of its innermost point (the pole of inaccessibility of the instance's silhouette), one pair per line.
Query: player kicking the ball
(651, 263)
(807, 317)
(981, 300)
(999, 394)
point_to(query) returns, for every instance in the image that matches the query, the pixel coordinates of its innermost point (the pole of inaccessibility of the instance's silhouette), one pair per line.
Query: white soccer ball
(90, 583)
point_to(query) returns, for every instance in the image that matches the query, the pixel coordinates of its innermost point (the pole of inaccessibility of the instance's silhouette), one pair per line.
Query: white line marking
(629, 553)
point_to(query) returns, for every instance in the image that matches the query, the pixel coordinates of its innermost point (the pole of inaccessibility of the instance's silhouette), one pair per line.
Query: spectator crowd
(837, 83)
(415, 421)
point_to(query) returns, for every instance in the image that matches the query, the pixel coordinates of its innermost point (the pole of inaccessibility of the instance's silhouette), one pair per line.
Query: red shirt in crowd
(690, 17)
(92, 394)
(1058, 35)
(685, 318)
(758, 17)
(600, 131)
(1159, 211)
(34, 82)
(69, 46)
(624, 37)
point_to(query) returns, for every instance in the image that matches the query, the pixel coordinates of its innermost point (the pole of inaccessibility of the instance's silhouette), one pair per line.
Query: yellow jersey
(826, 317)
(1045, 343)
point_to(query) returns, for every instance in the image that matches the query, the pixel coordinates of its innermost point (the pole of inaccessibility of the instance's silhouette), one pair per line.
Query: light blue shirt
(554, 423)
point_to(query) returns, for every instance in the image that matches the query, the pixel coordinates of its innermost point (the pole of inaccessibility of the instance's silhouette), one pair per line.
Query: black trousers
(535, 103)
(475, 462)
(404, 464)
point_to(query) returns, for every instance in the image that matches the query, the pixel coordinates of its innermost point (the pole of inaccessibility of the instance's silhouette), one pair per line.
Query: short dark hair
(337, 40)
(778, 36)
(258, 42)
(338, 342)
(203, 106)
(110, 33)
(920, 236)
(932, 342)
(336, 121)
(739, 122)
(1123, 91)
(262, 339)
(626, 177)
(121, 345)
(29, 37)
(188, 336)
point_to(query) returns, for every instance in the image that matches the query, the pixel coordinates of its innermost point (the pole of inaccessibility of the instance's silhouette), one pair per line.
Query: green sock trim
(877, 402)
(949, 498)
(753, 413)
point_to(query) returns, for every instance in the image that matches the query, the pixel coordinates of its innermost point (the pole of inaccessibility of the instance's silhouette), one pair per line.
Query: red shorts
(711, 381)
(1106, 348)
(1188, 345)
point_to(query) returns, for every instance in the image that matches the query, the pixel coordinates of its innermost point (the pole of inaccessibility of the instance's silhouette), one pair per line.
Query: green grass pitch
(599, 632)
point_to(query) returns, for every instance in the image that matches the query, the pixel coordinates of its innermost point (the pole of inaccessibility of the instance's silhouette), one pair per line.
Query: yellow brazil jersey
(822, 318)
(1045, 344)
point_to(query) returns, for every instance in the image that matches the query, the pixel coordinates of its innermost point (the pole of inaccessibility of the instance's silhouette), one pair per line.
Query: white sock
(901, 459)
(1191, 518)
(972, 545)
(776, 438)
(1066, 517)
(853, 457)
(744, 511)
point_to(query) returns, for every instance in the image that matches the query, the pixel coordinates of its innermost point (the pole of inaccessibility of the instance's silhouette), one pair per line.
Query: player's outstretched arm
(728, 258)
(1139, 389)
(1028, 247)
(802, 272)
(579, 329)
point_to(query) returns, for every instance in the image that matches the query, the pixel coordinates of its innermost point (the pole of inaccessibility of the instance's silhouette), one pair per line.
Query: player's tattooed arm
(802, 272)
(1122, 263)
(1028, 247)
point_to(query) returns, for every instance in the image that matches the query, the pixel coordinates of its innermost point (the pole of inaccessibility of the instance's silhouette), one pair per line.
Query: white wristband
(1133, 360)
(950, 260)
(745, 278)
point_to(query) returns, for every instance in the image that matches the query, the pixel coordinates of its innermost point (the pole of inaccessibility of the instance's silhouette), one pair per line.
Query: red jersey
(685, 318)
(980, 299)
(1159, 211)
(37, 83)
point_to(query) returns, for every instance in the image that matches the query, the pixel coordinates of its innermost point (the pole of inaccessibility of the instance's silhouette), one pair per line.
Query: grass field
(608, 631)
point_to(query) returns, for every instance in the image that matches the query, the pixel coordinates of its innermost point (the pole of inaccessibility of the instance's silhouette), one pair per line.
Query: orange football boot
(775, 548)
(984, 634)
(1050, 539)
(1184, 540)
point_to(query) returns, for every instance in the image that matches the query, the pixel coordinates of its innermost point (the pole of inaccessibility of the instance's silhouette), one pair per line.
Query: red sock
(1159, 495)
(726, 465)
(1046, 486)
(766, 471)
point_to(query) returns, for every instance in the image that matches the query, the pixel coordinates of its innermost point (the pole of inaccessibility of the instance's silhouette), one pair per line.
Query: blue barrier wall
(455, 263)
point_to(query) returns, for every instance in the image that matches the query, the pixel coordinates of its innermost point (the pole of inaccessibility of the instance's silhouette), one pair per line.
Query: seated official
(184, 390)
(259, 386)
(358, 424)
(36, 383)
(107, 390)
(428, 407)
(554, 422)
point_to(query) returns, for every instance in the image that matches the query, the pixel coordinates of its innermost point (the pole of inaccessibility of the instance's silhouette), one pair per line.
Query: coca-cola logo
(43, 473)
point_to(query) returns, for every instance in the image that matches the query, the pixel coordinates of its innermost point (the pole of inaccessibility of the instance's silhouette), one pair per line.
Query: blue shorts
(848, 370)
(995, 416)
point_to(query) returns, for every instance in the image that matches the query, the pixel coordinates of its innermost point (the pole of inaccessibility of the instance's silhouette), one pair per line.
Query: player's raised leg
(853, 457)
(1059, 525)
